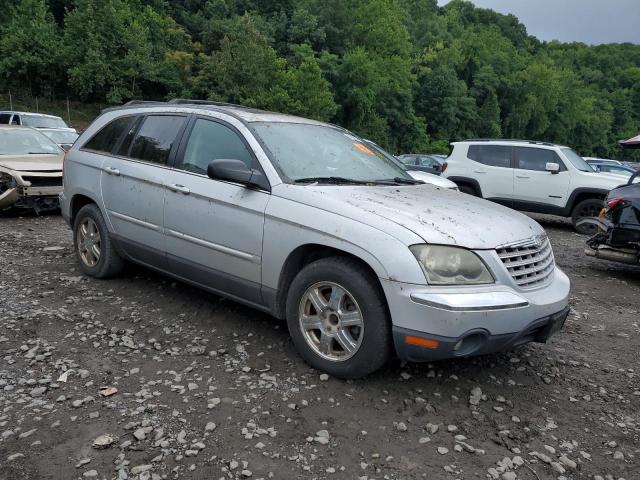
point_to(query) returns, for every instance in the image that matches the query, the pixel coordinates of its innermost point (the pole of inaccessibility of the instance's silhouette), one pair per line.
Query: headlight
(443, 265)
(6, 182)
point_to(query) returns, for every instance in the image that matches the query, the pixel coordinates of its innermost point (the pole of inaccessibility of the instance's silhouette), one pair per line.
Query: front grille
(529, 264)
(43, 181)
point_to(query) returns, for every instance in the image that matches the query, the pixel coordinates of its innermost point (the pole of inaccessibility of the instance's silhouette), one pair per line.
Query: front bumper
(475, 341)
(24, 194)
(436, 323)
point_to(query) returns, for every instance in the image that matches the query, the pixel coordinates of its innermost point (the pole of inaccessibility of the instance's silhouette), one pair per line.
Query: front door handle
(179, 188)
(112, 171)
(479, 171)
(522, 176)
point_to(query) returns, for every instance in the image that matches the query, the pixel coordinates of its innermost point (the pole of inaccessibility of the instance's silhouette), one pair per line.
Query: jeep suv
(303, 220)
(530, 176)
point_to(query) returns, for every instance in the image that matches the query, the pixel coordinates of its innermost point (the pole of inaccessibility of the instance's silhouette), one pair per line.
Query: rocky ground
(209, 389)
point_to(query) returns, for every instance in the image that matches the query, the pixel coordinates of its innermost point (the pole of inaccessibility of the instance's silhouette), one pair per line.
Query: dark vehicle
(425, 163)
(618, 225)
(620, 169)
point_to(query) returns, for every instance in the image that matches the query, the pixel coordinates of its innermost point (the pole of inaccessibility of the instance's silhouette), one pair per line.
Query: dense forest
(406, 73)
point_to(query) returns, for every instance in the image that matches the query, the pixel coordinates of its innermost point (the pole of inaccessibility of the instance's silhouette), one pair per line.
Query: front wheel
(588, 208)
(338, 318)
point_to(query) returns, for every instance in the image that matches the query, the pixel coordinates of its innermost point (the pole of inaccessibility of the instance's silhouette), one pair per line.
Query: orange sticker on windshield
(363, 148)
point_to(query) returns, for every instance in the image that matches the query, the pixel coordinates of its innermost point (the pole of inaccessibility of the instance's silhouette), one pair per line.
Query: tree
(30, 48)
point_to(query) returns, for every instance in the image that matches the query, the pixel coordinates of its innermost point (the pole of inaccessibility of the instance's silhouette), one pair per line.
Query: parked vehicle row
(305, 221)
(531, 176)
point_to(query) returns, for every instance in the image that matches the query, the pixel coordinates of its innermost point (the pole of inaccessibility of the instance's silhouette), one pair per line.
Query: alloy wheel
(331, 321)
(88, 242)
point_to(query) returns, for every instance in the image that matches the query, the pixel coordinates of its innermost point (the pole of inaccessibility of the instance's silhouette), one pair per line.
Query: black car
(426, 163)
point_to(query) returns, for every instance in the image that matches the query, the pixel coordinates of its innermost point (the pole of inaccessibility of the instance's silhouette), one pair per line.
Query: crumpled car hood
(32, 163)
(439, 216)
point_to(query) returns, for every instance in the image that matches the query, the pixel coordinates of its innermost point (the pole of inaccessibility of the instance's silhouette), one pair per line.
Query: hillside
(405, 73)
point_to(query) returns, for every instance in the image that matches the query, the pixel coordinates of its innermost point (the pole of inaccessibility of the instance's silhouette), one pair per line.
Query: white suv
(530, 176)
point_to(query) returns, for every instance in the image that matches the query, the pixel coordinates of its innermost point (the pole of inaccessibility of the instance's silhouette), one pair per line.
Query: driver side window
(210, 141)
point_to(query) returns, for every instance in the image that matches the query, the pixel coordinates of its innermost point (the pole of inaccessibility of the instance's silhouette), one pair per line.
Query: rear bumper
(476, 341)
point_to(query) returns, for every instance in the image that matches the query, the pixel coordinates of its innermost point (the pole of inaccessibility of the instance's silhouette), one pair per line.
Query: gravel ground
(209, 389)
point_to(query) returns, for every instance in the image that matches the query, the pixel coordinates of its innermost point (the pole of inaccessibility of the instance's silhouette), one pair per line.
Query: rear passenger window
(528, 158)
(156, 137)
(4, 118)
(213, 141)
(105, 140)
(491, 155)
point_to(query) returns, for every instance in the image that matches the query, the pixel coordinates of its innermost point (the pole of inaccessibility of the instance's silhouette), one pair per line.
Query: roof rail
(188, 101)
(141, 102)
(534, 142)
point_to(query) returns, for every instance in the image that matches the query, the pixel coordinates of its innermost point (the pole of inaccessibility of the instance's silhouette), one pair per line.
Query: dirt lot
(209, 389)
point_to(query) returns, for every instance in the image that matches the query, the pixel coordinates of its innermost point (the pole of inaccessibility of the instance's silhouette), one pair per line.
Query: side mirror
(552, 167)
(236, 171)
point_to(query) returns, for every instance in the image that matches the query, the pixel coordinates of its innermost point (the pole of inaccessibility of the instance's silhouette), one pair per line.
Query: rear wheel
(588, 208)
(338, 318)
(94, 248)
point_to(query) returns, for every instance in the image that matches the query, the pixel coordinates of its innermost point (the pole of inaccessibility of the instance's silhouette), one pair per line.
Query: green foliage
(407, 74)
(29, 47)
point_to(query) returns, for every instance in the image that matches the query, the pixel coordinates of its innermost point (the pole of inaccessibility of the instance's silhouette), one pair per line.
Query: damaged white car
(30, 169)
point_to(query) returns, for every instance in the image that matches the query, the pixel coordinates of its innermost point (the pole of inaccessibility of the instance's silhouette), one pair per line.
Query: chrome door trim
(135, 221)
(214, 246)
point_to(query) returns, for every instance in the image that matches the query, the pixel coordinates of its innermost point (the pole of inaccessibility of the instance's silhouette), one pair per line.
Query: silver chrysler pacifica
(301, 219)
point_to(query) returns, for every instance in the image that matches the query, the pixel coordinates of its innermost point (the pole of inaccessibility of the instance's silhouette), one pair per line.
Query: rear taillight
(444, 166)
(614, 201)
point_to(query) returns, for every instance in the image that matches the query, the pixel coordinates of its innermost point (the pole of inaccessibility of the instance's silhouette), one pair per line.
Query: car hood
(606, 180)
(437, 215)
(32, 163)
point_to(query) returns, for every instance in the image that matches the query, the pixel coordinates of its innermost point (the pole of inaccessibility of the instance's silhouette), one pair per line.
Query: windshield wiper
(336, 180)
(407, 181)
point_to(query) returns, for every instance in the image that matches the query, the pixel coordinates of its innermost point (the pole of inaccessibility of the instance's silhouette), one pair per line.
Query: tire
(586, 208)
(363, 294)
(467, 189)
(104, 264)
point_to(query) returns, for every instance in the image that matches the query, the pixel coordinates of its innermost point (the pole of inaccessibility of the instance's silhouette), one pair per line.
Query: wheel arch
(581, 194)
(300, 257)
(466, 181)
(78, 201)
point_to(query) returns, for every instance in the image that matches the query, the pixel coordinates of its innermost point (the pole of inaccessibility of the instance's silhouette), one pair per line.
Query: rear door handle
(479, 171)
(112, 171)
(179, 188)
(522, 176)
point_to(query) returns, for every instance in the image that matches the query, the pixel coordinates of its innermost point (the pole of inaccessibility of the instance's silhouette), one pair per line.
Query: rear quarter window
(491, 155)
(107, 137)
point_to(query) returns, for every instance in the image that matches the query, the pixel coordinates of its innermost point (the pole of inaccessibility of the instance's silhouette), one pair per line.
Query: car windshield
(576, 160)
(25, 142)
(61, 136)
(302, 151)
(39, 121)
